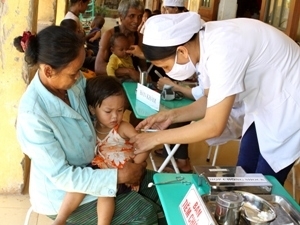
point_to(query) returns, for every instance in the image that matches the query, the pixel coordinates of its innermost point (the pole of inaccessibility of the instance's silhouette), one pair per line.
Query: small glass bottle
(228, 208)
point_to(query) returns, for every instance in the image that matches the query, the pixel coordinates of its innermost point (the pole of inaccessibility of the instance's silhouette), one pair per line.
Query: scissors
(179, 179)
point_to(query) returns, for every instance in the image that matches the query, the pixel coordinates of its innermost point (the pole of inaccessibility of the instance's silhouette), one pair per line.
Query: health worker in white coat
(242, 60)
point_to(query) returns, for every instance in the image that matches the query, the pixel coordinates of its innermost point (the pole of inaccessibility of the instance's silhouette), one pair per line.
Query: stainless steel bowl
(256, 211)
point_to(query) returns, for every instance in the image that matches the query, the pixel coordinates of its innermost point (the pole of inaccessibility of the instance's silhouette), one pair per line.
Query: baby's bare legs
(70, 203)
(105, 210)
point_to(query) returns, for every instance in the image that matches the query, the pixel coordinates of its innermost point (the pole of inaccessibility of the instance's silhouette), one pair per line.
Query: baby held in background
(106, 101)
(94, 35)
(119, 43)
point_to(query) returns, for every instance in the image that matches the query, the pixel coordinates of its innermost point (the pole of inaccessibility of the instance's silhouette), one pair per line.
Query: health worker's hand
(159, 121)
(136, 51)
(144, 142)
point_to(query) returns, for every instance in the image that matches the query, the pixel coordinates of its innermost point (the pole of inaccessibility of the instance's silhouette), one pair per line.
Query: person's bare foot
(159, 153)
(184, 165)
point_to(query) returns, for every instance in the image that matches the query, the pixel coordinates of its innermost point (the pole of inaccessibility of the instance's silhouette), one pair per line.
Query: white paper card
(194, 210)
(148, 96)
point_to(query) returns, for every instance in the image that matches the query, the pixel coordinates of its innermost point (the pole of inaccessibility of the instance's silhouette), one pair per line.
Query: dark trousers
(252, 161)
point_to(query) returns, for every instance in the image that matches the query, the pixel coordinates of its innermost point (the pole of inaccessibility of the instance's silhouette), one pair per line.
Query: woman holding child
(55, 130)
(131, 13)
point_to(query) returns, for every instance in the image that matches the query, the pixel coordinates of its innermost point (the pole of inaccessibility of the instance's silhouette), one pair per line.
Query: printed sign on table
(237, 179)
(148, 96)
(194, 210)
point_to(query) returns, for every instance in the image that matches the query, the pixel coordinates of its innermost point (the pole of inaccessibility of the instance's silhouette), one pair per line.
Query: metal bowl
(256, 211)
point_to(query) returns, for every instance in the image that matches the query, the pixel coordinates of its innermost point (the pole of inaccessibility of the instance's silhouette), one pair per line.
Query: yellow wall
(61, 10)
(13, 73)
(48, 11)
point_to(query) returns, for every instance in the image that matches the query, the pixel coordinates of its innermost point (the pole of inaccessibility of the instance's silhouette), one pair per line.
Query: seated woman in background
(76, 8)
(86, 69)
(131, 12)
(72, 25)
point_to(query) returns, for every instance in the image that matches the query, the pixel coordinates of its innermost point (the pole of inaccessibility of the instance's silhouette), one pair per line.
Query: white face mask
(182, 71)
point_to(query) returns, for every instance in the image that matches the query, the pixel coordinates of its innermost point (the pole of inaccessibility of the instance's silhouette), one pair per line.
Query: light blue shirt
(60, 142)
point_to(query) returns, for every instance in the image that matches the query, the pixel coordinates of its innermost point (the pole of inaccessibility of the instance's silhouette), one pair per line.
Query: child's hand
(134, 75)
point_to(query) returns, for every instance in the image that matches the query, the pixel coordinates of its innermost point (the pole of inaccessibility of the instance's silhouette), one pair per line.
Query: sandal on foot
(159, 153)
(169, 169)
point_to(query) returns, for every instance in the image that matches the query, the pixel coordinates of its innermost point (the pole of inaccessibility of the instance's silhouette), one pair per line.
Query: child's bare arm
(96, 36)
(126, 130)
(141, 157)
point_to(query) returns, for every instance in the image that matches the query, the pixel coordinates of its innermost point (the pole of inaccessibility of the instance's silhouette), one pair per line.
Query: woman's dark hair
(157, 53)
(55, 46)
(17, 43)
(69, 24)
(156, 12)
(148, 11)
(101, 87)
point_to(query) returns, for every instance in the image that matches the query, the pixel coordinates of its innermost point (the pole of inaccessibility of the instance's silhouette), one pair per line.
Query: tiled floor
(13, 209)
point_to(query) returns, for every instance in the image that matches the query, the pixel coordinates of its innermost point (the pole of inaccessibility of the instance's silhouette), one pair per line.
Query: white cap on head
(167, 30)
(173, 3)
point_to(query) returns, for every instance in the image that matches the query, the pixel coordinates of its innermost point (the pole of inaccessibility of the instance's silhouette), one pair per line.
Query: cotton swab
(149, 130)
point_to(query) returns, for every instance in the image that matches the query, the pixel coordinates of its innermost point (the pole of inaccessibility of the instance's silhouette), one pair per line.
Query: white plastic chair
(216, 151)
(28, 214)
(169, 158)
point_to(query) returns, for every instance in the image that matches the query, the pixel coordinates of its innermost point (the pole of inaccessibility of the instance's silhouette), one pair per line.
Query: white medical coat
(261, 65)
